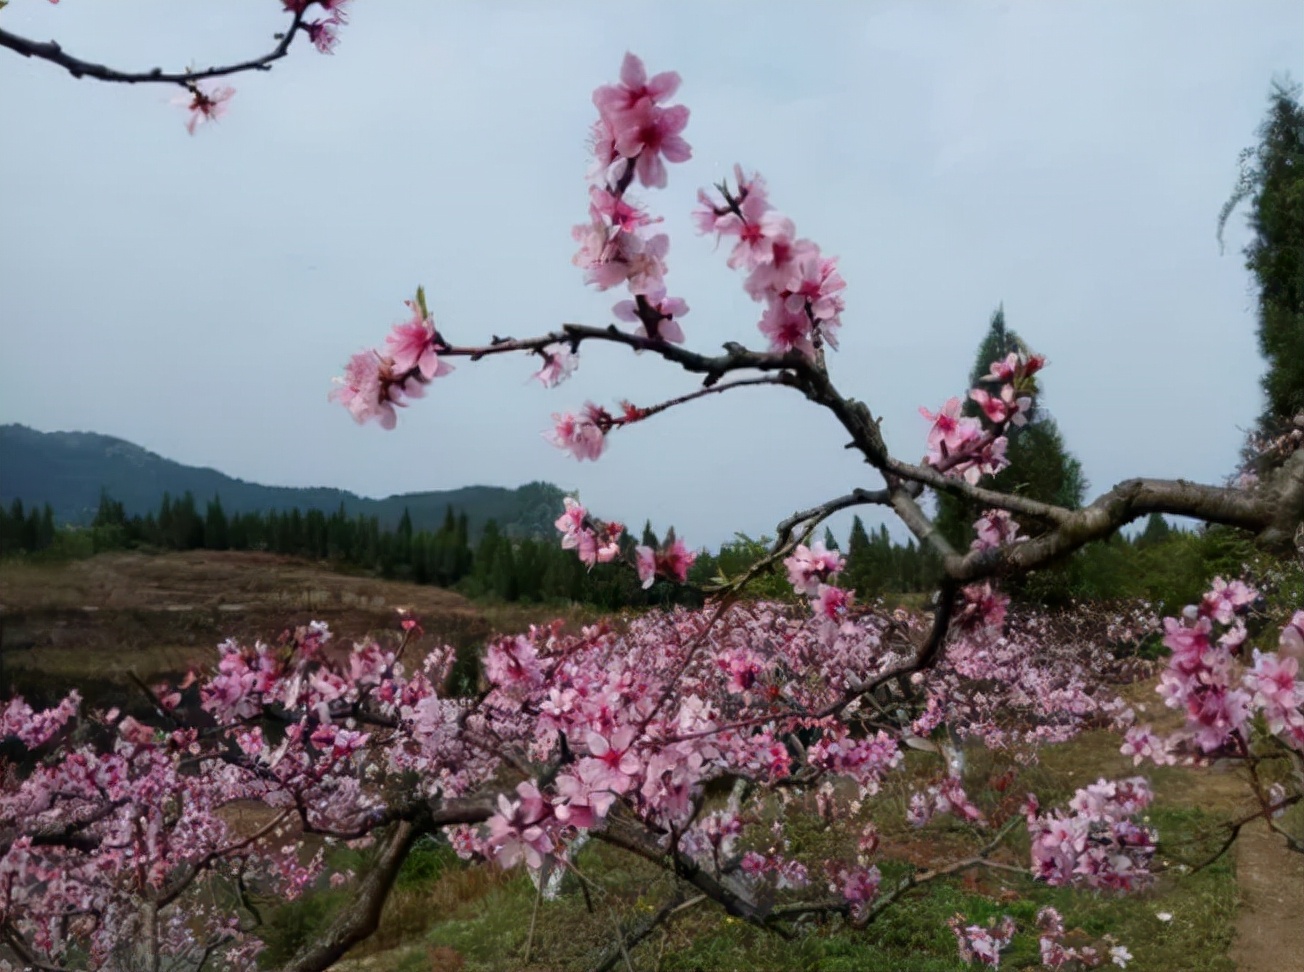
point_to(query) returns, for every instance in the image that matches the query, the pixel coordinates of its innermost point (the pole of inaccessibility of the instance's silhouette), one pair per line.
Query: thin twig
(78, 68)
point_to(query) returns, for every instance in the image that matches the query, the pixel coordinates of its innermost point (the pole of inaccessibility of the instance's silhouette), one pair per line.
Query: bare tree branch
(78, 68)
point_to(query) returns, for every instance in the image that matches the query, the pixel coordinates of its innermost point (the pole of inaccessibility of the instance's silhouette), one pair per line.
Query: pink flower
(762, 242)
(984, 945)
(519, 831)
(819, 286)
(588, 791)
(809, 567)
(324, 34)
(787, 330)
(370, 389)
(995, 528)
(646, 265)
(1013, 367)
(674, 560)
(660, 310)
(584, 435)
(1291, 642)
(1141, 742)
(781, 274)
(951, 432)
(634, 86)
(591, 546)
(512, 664)
(1003, 408)
(610, 259)
(615, 750)
(742, 666)
(1274, 682)
(750, 199)
(572, 521)
(637, 127)
(671, 561)
(206, 102)
(559, 363)
(859, 886)
(337, 9)
(615, 211)
(833, 602)
(412, 345)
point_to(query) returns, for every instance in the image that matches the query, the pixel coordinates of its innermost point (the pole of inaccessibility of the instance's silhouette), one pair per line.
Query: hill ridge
(68, 470)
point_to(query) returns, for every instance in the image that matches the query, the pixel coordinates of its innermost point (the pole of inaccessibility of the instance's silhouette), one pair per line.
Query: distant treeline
(509, 568)
(29, 530)
(1162, 564)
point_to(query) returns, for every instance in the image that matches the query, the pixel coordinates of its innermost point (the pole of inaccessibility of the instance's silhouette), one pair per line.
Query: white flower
(1163, 916)
(1120, 955)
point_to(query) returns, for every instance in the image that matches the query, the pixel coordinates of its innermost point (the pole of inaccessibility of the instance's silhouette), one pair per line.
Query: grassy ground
(477, 918)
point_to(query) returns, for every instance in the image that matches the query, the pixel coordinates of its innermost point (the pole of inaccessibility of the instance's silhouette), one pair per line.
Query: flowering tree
(121, 844)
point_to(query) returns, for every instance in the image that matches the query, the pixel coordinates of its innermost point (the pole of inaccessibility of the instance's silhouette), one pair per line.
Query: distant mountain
(69, 469)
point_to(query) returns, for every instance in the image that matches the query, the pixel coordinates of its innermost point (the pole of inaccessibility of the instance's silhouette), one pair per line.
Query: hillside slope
(69, 469)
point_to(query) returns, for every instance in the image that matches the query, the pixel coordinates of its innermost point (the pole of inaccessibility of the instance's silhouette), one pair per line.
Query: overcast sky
(196, 294)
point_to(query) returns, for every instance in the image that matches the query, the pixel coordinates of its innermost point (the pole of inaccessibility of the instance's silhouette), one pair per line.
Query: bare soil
(122, 616)
(1270, 922)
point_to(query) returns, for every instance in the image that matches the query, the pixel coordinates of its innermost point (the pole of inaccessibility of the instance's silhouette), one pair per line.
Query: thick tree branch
(361, 916)
(637, 841)
(1268, 513)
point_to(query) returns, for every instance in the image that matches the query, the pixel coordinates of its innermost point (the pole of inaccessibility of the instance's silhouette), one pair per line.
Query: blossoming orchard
(688, 739)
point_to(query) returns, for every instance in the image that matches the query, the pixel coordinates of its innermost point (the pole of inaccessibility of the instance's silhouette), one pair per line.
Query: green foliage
(295, 923)
(876, 566)
(1041, 466)
(425, 863)
(26, 531)
(1272, 180)
(489, 934)
(1168, 567)
(737, 557)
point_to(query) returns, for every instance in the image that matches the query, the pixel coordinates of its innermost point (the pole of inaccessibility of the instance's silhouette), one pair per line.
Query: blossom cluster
(982, 943)
(671, 561)
(1218, 689)
(944, 797)
(800, 287)
(592, 541)
(809, 570)
(1097, 844)
(635, 135)
(36, 728)
(857, 885)
(377, 382)
(960, 445)
(1056, 953)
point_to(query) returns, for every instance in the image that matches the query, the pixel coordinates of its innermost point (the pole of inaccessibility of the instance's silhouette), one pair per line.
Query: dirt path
(1270, 921)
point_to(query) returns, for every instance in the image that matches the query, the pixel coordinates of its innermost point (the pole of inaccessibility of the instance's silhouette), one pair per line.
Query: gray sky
(195, 295)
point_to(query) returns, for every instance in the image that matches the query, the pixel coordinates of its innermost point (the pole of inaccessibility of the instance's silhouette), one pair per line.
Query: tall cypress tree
(1041, 467)
(1272, 180)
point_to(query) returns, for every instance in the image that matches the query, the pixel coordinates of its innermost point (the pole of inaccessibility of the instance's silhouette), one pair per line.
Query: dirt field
(121, 614)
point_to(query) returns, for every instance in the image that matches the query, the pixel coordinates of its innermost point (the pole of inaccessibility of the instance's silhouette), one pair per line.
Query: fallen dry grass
(96, 623)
